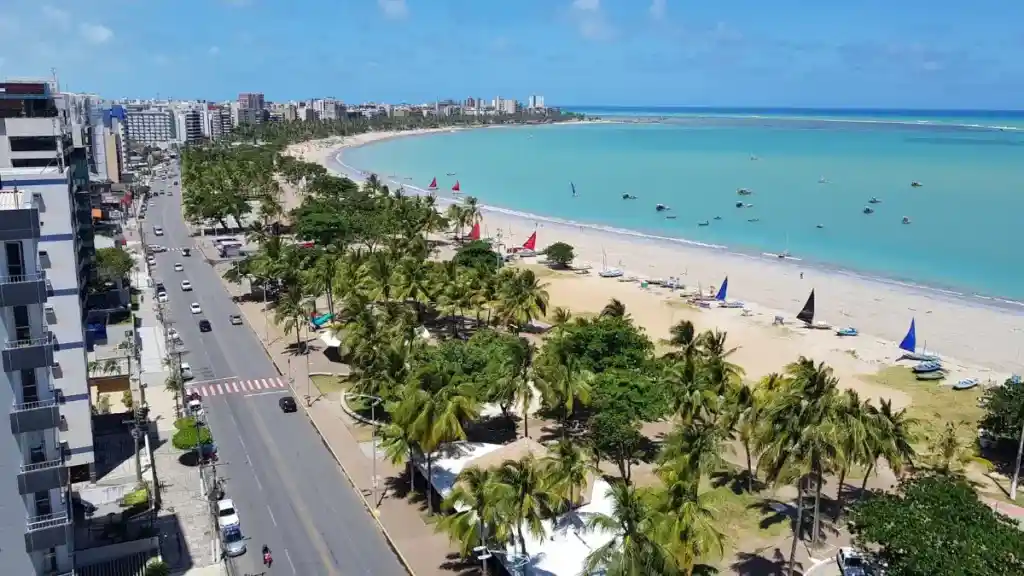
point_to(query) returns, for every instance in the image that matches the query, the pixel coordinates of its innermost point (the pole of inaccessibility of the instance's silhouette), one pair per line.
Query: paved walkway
(423, 550)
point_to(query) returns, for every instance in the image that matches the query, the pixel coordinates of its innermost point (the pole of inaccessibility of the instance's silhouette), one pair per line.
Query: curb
(327, 444)
(352, 414)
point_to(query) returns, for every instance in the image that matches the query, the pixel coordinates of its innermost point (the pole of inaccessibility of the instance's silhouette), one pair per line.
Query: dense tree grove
(438, 339)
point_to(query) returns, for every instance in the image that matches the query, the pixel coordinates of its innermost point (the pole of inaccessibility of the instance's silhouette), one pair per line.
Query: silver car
(232, 542)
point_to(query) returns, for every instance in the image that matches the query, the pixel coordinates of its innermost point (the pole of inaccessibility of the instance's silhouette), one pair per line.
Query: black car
(204, 326)
(287, 404)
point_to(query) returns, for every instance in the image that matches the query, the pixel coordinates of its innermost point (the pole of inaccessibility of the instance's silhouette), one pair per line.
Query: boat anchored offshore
(628, 197)
(661, 207)
(704, 223)
(868, 210)
(874, 200)
(906, 219)
(916, 184)
(744, 192)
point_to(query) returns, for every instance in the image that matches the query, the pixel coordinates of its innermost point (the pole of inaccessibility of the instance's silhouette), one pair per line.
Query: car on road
(204, 326)
(851, 562)
(161, 297)
(236, 319)
(195, 308)
(186, 252)
(287, 404)
(232, 542)
(151, 261)
(178, 267)
(158, 231)
(186, 286)
(186, 371)
(175, 182)
(227, 515)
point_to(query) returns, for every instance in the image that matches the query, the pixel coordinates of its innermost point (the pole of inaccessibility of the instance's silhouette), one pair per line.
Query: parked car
(158, 230)
(186, 371)
(195, 308)
(226, 514)
(161, 297)
(186, 286)
(231, 541)
(287, 404)
(851, 562)
(236, 319)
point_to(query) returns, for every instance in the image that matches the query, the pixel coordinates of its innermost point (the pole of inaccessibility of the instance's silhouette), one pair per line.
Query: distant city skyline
(911, 55)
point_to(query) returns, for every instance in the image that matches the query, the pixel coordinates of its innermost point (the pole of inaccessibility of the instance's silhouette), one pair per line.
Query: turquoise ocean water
(966, 218)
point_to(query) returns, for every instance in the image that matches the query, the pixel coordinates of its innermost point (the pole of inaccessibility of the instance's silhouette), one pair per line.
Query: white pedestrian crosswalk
(239, 386)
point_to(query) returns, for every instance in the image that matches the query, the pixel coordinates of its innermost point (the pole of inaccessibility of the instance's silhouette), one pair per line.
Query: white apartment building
(536, 102)
(328, 109)
(507, 106)
(149, 127)
(189, 125)
(46, 232)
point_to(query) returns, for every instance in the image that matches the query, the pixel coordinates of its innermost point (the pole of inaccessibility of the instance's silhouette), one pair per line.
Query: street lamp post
(515, 561)
(374, 400)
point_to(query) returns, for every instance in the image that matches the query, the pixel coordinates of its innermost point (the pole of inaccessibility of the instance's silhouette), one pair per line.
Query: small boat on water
(868, 210)
(966, 384)
(937, 375)
(673, 217)
(661, 207)
(820, 226)
(451, 174)
(753, 220)
(704, 223)
(925, 367)
(717, 217)
(628, 197)
(847, 331)
(916, 184)
(744, 192)
(874, 200)
(822, 180)
(906, 219)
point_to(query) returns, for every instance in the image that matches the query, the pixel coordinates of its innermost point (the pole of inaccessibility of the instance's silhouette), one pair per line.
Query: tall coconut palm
(613, 309)
(696, 447)
(685, 520)
(562, 385)
(890, 437)
(399, 445)
(569, 470)
(852, 419)
(291, 312)
(634, 549)
(525, 499)
(522, 298)
(475, 518)
(948, 452)
(560, 316)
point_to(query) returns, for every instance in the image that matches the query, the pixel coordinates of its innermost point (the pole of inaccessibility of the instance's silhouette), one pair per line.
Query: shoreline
(950, 323)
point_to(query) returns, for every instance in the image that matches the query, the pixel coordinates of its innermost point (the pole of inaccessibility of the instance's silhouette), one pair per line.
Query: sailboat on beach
(529, 247)
(723, 290)
(456, 189)
(909, 345)
(474, 234)
(433, 184)
(806, 314)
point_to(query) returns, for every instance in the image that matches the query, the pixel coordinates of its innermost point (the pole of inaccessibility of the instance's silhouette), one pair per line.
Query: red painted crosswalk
(249, 386)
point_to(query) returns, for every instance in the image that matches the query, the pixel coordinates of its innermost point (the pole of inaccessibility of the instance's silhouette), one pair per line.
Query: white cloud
(658, 9)
(61, 17)
(214, 50)
(590, 20)
(393, 8)
(95, 33)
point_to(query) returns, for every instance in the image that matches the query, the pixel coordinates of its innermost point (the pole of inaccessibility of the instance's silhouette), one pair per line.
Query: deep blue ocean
(811, 174)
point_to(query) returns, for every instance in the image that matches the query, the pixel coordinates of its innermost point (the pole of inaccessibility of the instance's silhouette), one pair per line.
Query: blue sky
(869, 53)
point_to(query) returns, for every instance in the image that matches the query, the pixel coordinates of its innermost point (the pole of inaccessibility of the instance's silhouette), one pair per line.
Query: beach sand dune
(975, 340)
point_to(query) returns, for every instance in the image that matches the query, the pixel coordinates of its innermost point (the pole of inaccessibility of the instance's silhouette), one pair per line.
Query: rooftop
(15, 199)
(10, 176)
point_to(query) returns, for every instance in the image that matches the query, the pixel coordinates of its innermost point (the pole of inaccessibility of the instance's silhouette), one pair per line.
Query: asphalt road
(290, 493)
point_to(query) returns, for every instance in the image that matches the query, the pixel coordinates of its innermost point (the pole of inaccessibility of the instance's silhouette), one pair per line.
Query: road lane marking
(234, 386)
(219, 389)
(289, 557)
(270, 393)
(271, 512)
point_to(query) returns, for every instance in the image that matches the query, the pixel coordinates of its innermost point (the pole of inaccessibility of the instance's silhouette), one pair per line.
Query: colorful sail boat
(806, 314)
(531, 242)
(433, 184)
(456, 189)
(474, 234)
(909, 345)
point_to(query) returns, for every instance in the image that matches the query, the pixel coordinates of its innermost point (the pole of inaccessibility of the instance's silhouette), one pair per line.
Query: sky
(869, 53)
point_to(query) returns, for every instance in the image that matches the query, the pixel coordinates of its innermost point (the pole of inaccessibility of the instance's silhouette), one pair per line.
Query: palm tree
(399, 446)
(695, 448)
(948, 452)
(475, 520)
(614, 309)
(521, 298)
(891, 437)
(634, 550)
(685, 520)
(562, 385)
(852, 416)
(525, 498)
(560, 316)
(569, 470)
(291, 312)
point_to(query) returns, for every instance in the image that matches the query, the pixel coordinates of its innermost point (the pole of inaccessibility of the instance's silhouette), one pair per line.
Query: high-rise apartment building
(149, 127)
(46, 232)
(251, 100)
(536, 102)
(190, 126)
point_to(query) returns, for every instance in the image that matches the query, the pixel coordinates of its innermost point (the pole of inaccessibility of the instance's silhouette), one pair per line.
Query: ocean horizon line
(831, 109)
(930, 288)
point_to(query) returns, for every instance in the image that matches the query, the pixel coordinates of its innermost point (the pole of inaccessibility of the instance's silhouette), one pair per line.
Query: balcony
(32, 416)
(28, 354)
(49, 531)
(22, 289)
(42, 476)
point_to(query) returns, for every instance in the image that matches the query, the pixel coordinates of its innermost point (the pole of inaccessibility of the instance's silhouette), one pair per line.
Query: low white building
(566, 543)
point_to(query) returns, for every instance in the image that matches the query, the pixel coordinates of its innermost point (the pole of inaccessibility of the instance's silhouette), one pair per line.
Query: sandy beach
(974, 340)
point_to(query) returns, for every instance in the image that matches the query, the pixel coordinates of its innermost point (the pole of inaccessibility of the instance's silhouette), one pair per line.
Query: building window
(33, 143)
(43, 507)
(29, 387)
(32, 162)
(15, 261)
(22, 329)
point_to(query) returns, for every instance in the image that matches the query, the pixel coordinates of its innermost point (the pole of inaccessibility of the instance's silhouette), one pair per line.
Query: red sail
(456, 187)
(433, 184)
(474, 234)
(531, 242)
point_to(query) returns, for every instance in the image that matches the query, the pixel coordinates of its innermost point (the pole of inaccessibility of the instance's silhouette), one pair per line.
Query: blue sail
(909, 342)
(573, 188)
(722, 291)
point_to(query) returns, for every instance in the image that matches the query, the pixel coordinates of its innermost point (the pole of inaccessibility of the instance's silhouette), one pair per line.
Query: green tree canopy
(614, 436)
(188, 436)
(601, 344)
(560, 254)
(113, 264)
(639, 395)
(478, 254)
(936, 525)
(1004, 409)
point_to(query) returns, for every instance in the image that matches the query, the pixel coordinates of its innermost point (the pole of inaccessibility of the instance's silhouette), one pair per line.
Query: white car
(186, 371)
(851, 562)
(161, 297)
(186, 286)
(195, 308)
(178, 267)
(151, 261)
(226, 514)
(173, 335)
(158, 231)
